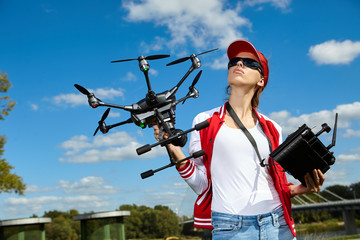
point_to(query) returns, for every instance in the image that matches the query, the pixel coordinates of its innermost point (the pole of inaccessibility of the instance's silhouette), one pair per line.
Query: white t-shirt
(240, 185)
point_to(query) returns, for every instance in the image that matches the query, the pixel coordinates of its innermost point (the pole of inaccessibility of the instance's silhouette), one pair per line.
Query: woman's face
(241, 75)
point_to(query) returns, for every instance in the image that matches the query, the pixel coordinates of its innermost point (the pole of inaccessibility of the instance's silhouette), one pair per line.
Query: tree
(62, 227)
(9, 182)
(6, 104)
(145, 222)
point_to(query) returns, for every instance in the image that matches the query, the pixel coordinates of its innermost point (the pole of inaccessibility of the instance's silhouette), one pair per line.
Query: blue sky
(47, 46)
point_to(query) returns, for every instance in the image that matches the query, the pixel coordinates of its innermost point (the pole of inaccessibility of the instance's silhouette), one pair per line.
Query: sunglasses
(251, 63)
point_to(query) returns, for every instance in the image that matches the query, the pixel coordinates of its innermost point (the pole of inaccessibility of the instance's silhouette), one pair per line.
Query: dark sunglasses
(251, 63)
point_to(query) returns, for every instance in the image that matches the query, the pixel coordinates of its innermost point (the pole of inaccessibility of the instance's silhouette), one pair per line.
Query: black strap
(246, 132)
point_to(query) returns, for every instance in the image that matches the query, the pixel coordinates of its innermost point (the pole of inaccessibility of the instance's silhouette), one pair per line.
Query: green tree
(355, 189)
(6, 104)
(62, 227)
(145, 222)
(9, 182)
(340, 190)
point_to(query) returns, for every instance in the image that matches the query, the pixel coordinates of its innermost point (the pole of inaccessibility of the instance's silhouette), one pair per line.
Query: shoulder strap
(246, 132)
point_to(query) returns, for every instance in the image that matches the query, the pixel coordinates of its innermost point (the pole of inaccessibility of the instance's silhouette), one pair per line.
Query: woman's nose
(240, 63)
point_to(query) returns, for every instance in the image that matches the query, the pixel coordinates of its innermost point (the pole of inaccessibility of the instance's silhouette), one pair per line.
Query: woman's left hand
(312, 184)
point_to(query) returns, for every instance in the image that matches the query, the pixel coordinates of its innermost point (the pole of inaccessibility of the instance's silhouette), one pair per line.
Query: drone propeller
(196, 79)
(187, 58)
(102, 125)
(82, 90)
(93, 101)
(192, 88)
(152, 57)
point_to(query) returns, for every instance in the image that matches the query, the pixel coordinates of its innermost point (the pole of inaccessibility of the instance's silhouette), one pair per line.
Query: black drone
(155, 107)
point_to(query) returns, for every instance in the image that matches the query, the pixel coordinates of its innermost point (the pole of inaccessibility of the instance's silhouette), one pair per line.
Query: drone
(155, 108)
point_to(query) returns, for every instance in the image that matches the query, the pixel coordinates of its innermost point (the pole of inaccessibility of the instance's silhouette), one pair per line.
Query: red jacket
(202, 208)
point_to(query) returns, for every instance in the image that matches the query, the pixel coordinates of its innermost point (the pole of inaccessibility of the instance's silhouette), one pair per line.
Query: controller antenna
(334, 133)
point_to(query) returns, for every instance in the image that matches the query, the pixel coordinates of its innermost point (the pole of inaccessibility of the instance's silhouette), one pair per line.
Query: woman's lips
(238, 71)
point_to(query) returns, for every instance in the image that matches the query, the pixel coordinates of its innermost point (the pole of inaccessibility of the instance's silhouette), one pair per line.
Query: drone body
(155, 107)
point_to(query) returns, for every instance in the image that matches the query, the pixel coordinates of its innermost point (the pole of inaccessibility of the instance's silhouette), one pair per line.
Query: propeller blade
(196, 79)
(191, 88)
(124, 60)
(82, 89)
(178, 61)
(105, 115)
(154, 57)
(187, 58)
(97, 129)
(208, 51)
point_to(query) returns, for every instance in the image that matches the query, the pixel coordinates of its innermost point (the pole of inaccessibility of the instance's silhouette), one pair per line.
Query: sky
(47, 46)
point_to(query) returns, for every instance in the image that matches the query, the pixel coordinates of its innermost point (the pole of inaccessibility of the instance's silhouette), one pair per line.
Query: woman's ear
(261, 83)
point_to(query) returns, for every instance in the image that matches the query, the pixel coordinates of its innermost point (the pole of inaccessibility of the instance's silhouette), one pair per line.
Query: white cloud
(347, 113)
(23, 207)
(283, 4)
(28, 201)
(34, 107)
(116, 146)
(89, 193)
(129, 77)
(334, 52)
(220, 63)
(114, 114)
(74, 100)
(346, 158)
(352, 133)
(87, 186)
(203, 24)
(189, 20)
(34, 189)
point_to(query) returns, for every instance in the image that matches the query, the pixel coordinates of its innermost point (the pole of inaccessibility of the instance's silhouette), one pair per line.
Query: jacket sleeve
(194, 172)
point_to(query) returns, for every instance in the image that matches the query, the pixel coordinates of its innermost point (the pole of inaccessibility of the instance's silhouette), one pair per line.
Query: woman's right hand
(157, 133)
(175, 151)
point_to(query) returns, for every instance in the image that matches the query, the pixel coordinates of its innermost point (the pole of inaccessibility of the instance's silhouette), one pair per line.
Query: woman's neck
(240, 101)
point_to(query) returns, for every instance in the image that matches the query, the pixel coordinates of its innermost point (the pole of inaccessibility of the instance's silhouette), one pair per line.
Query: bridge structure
(348, 207)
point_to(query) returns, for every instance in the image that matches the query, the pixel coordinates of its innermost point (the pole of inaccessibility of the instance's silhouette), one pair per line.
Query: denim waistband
(260, 219)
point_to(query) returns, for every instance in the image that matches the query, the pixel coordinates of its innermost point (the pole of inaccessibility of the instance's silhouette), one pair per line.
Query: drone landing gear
(171, 139)
(151, 172)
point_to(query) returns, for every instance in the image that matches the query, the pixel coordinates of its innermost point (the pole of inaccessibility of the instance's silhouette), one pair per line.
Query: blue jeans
(270, 226)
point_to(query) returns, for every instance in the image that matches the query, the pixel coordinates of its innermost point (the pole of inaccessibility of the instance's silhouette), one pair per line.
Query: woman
(241, 196)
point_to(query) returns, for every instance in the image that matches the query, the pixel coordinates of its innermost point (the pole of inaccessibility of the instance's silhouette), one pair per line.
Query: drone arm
(126, 108)
(193, 94)
(174, 89)
(119, 124)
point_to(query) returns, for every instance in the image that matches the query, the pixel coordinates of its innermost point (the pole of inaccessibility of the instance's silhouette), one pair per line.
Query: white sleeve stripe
(187, 168)
(189, 173)
(202, 219)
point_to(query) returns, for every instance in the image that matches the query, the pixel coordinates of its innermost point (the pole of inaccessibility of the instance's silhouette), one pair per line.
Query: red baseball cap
(239, 46)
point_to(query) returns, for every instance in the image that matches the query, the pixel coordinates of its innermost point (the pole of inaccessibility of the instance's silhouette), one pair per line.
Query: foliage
(145, 222)
(6, 104)
(9, 182)
(62, 227)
